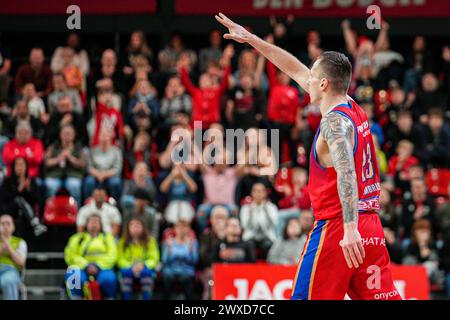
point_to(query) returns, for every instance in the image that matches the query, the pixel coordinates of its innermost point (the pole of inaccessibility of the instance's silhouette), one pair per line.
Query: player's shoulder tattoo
(334, 125)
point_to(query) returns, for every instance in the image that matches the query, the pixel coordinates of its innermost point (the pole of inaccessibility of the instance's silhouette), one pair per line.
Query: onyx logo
(74, 20)
(374, 20)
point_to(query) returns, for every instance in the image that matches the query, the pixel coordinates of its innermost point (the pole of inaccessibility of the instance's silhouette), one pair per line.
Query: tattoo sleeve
(337, 131)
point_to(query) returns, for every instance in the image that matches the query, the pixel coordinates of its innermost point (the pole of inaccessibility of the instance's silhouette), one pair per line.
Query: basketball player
(345, 252)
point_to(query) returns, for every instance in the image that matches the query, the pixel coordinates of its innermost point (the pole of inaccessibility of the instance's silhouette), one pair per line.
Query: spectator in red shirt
(296, 198)
(107, 116)
(23, 145)
(400, 163)
(36, 72)
(206, 98)
(140, 151)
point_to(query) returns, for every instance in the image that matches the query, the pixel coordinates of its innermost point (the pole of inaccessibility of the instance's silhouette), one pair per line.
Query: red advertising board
(59, 7)
(274, 282)
(315, 8)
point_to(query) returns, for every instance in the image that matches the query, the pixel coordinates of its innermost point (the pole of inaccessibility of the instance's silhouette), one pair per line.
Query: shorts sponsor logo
(374, 241)
(385, 295)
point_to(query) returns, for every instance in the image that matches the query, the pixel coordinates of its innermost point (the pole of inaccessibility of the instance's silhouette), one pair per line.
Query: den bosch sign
(315, 8)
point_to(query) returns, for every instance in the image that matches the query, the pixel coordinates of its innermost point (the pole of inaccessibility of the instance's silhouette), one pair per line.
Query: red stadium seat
(60, 210)
(437, 182)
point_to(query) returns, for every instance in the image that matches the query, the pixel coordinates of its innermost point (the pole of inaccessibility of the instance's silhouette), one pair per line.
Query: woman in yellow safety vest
(90, 255)
(138, 255)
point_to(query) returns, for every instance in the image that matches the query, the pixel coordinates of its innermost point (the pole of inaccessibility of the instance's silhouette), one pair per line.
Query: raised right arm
(285, 61)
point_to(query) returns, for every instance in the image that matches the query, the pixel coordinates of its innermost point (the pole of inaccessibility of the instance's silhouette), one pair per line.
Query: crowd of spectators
(107, 133)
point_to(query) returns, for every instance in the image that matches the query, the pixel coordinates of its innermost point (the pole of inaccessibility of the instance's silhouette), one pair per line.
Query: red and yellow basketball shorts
(323, 273)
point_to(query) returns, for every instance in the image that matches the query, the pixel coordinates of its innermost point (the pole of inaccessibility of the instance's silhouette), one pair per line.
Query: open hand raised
(236, 32)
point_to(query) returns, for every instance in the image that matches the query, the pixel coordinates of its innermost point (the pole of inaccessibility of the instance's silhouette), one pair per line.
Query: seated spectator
(108, 115)
(142, 180)
(213, 52)
(244, 108)
(259, 220)
(64, 165)
(420, 60)
(233, 249)
(405, 129)
(144, 104)
(417, 205)
(400, 163)
(393, 245)
(137, 48)
(179, 257)
(104, 166)
(80, 57)
(172, 148)
(60, 90)
(306, 221)
(422, 249)
(248, 63)
(90, 255)
(168, 56)
(208, 242)
(66, 115)
(219, 184)
(21, 113)
(139, 152)
(13, 256)
(206, 98)
(296, 198)
(36, 72)
(35, 103)
(403, 183)
(108, 74)
(20, 197)
(256, 163)
(179, 187)
(176, 102)
(143, 210)
(24, 146)
(138, 256)
(437, 140)
(110, 215)
(287, 250)
(430, 95)
(72, 73)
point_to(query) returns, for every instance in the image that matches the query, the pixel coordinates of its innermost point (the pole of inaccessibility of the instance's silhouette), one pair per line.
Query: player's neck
(330, 101)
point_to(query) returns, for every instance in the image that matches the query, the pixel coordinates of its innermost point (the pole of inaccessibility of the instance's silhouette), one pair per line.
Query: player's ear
(323, 83)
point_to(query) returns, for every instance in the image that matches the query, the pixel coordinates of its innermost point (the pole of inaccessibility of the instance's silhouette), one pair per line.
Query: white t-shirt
(36, 107)
(110, 215)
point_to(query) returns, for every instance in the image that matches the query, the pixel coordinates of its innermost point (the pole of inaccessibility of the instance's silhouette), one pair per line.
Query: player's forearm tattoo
(337, 132)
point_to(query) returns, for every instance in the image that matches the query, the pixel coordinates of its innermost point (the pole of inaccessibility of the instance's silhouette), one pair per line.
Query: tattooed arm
(337, 131)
